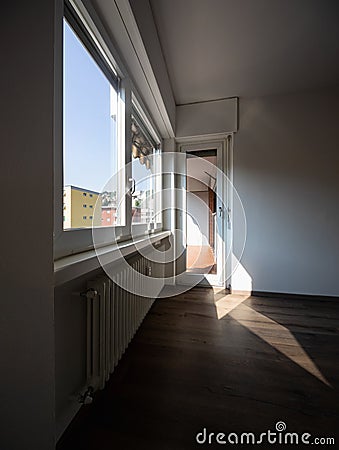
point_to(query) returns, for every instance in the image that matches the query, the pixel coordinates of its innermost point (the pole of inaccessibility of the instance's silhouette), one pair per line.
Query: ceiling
(223, 48)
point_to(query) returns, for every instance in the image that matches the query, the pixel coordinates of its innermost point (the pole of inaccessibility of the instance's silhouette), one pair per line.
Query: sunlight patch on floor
(225, 303)
(270, 331)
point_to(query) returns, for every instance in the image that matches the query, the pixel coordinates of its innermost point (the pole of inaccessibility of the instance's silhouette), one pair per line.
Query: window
(90, 124)
(146, 173)
(96, 105)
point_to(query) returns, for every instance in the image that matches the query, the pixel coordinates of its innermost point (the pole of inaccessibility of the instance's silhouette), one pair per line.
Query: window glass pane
(146, 173)
(90, 138)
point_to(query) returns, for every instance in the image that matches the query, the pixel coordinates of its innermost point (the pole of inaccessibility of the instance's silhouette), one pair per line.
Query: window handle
(228, 215)
(133, 185)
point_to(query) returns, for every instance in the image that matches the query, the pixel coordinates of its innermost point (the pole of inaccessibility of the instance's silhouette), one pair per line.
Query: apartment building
(79, 206)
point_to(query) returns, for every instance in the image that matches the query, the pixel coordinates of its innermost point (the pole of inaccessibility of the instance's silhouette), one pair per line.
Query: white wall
(26, 264)
(194, 185)
(197, 218)
(70, 348)
(286, 171)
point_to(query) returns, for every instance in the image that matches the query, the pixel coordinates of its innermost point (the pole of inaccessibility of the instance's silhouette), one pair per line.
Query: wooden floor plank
(187, 368)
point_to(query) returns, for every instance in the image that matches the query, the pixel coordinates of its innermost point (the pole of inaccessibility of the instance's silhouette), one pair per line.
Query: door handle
(228, 210)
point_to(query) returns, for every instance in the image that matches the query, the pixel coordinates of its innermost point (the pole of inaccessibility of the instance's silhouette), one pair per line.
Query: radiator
(113, 317)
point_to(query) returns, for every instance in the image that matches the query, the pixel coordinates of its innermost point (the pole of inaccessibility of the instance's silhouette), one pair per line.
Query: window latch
(133, 185)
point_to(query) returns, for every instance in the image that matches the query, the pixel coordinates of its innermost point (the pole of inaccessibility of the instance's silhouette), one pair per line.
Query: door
(207, 213)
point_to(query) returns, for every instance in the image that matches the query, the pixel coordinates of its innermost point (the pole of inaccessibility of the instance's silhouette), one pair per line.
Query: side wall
(286, 167)
(26, 264)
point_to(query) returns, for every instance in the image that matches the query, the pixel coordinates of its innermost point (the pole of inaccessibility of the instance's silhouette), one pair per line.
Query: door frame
(224, 148)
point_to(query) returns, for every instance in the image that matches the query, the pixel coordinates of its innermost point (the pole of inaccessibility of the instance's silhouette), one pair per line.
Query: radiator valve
(87, 397)
(89, 294)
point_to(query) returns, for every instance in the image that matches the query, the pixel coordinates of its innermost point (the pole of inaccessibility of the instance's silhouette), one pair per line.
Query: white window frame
(73, 241)
(139, 229)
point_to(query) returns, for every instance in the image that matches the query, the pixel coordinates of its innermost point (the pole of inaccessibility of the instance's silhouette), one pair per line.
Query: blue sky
(87, 124)
(89, 159)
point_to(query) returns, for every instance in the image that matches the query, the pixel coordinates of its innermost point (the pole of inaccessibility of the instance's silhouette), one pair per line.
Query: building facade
(79, 206)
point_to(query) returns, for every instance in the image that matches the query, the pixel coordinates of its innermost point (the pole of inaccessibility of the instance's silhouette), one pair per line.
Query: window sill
(73, 266)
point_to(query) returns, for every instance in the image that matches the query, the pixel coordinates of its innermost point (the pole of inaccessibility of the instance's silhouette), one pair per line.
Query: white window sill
(73, 266)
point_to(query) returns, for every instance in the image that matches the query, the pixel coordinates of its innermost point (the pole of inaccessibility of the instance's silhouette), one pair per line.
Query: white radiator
(113, 317)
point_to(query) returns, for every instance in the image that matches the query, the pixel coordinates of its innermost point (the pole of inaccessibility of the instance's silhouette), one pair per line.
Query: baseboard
(238, 292)
(287, 296)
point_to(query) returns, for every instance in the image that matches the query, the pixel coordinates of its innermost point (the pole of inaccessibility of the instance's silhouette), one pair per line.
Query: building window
(84, 217)
(91, 122)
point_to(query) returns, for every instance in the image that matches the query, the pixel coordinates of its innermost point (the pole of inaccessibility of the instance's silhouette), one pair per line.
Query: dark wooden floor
(226, 363)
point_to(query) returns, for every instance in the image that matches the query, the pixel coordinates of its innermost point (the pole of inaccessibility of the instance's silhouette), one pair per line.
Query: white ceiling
(223, 48)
